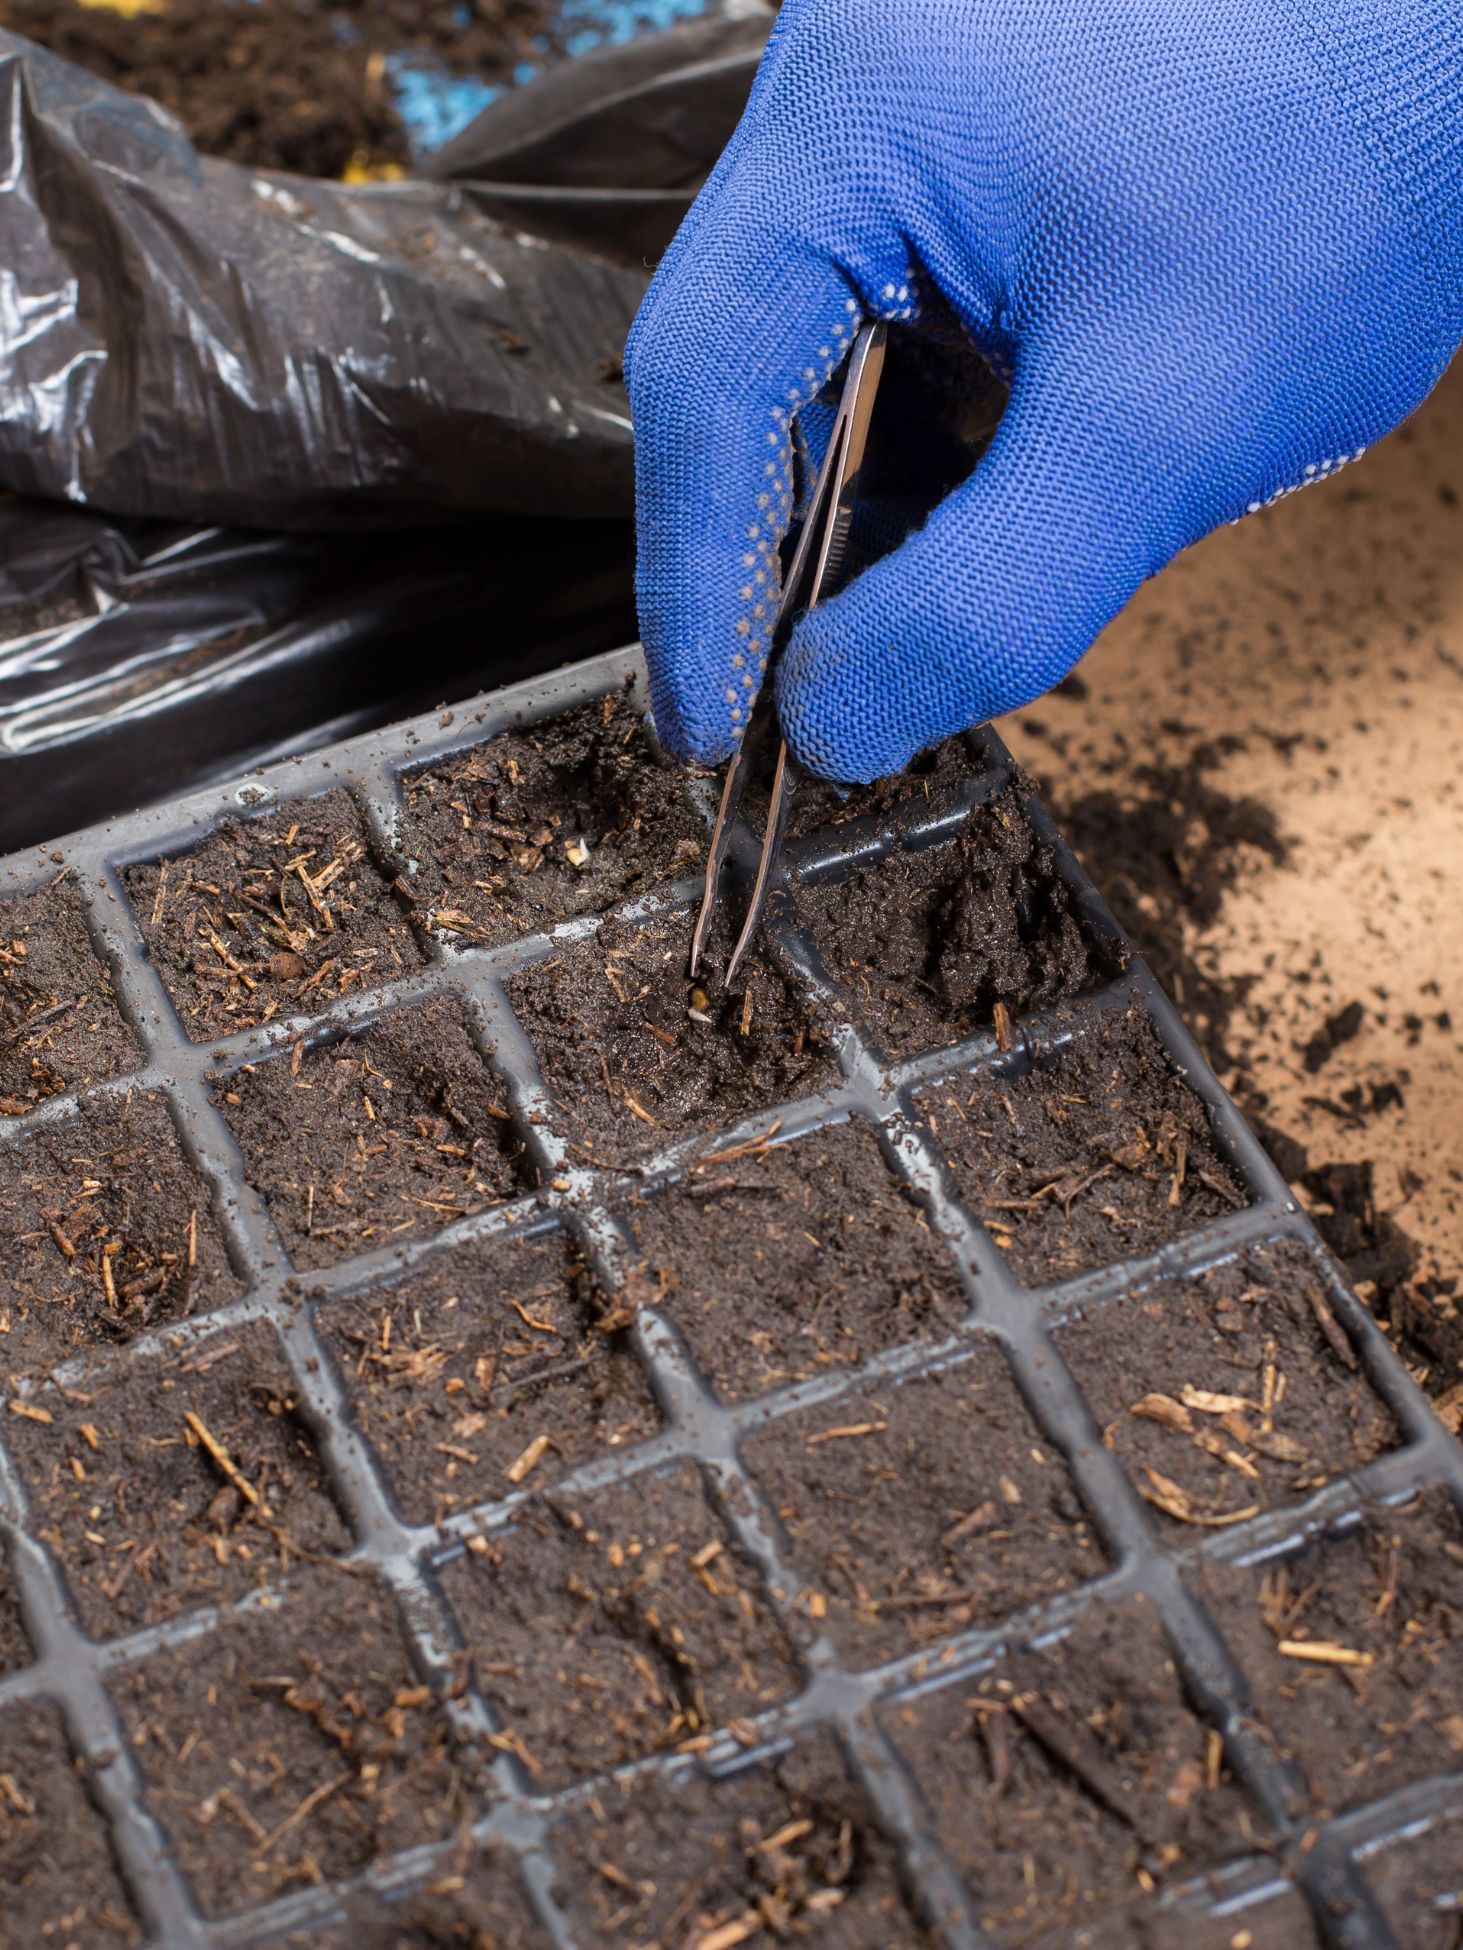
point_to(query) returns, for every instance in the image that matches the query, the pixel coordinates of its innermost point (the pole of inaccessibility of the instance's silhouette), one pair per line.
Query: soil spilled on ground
(299, 85)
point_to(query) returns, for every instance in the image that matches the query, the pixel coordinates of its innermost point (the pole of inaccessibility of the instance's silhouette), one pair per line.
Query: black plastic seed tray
(821, 1758)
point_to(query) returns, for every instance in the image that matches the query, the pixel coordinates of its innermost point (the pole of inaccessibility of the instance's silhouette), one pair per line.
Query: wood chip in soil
(384, 1134)
(1064, 1781)
(105, 1229)
(921, 1509)
(60, 1027)
(176, 1482)
(932, 940)
(1419, 1884)
(56, 1865)
(292, 1744)
(1353, 1649)
(471, 1901)
(1230, 1392)
(637, 1054)
(480, 1357)
(613, 1624)
(703, 1863)
(1098, 1152)
(787, 1260)
(277, 916)
(569, 816)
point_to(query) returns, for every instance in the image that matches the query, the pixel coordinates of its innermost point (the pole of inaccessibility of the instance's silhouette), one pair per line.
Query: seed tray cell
(59, 1022)
(532, 1393)
(479, 1358)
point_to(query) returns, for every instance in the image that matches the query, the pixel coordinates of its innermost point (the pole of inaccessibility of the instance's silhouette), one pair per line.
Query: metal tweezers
(815, 566)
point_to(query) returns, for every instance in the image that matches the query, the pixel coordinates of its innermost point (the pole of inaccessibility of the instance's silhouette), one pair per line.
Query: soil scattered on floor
(1419, 1884)
(292, 1744)
(1353, 1648)
(934, 941)
(691, 1858)
(782, 1261)
(486, 1368)
(282, 84)
(571, 816)
(105, 1229)
(178, 1482)
(61, 1884)
(385, 1133)
(1097, 1153)
(59, 1023)
(1094, 1779)
(271, 916)
(607, 1626)
(638, 1054)
(1228, 1393)
(915, 1512)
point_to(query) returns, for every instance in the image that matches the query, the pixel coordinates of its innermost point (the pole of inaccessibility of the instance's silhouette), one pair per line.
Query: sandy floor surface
(1261, 763)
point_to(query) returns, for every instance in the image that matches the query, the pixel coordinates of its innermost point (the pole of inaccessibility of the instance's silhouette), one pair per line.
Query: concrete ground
(1272, 734)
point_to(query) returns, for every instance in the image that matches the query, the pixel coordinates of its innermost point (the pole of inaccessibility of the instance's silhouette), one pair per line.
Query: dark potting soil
(470, 1902)
(292, 1744)
(105, 1229)
(690, 1858)
(276, 916)
(1228, 1393)
(183, 1481)
(636, 1054)
(14, 1646)
(1353, 1649)
(282, 84)
(1099, 1152)
(484, 1369)
(782, 1261)
(1094, 1780)
(933, 940)
(379, 1135)
(59, 1023)
(606, 1626)
(1271, 1923)
(570, 816)
(917, 1511)
(1419, 1884)
(56, 1868)
(931, 781)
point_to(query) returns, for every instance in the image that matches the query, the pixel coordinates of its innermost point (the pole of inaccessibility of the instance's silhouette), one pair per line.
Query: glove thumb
(989, 603)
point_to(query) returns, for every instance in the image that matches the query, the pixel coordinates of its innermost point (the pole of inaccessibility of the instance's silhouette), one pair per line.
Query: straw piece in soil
(456, 1371)
(606, 1626)
(56, 1867)
(690, 1859)
(916, 1511)
(60, 1028)
(1094, 1780)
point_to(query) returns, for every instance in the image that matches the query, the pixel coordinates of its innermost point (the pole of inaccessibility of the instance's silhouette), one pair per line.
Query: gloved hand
(1217, 245)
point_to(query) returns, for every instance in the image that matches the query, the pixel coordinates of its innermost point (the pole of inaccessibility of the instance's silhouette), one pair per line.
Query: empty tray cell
(170, 1483)
(1281, 1922)
(467, 1903)
(615, 1624)
(1067, 1780)
(1230, 1392)
(931, 781)
(105, 1229)
(1353, 1648)
(933, 940)
(637, 1054)
(59, 1023)
(292, 1744)
(783, 1261)
(483, 1368)
(276, 916)
(374, 1136)
(56, 1868)
(921, 1508)
(1098, 1152)
(688, 1858)
(1418, 1882)
(568, 816)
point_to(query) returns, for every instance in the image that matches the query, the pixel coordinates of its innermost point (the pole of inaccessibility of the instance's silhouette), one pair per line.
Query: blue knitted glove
(1216, 244)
